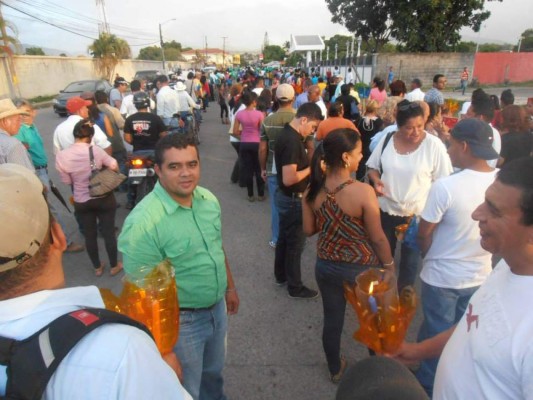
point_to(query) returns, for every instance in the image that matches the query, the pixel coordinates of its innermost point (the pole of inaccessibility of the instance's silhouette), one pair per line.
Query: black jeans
(99, 211)
(235, 172)
(249, 167)
(409, 257)
(291, 242)
(223, 110)
(330, 276)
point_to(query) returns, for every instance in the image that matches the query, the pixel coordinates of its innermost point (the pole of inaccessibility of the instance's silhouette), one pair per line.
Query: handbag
(103, 181)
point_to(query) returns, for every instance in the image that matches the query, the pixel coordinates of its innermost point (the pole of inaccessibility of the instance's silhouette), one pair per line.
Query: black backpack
(32, 362)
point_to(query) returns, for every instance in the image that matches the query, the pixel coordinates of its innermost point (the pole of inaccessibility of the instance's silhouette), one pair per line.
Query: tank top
(341, 237)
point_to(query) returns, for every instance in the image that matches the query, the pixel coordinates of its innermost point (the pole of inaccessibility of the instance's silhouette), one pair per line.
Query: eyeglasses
(410, 106)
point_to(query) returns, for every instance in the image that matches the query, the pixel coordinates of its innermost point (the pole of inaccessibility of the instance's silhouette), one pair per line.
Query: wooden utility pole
(224, 51)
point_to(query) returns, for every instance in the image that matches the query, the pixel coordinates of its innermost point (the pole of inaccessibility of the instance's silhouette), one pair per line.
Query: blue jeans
(330, 276)
(272, 182)
(42, 174)
(442, 309)
(409, 258)
(201, 349)
(290, 243)
(463, 86)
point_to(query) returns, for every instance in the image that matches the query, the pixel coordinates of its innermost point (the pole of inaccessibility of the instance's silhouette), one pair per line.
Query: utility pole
(224, 51)
(14, 84)
(162, 48)
(103, 27)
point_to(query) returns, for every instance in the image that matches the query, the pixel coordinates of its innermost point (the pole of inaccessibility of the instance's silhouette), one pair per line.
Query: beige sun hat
(8, 109)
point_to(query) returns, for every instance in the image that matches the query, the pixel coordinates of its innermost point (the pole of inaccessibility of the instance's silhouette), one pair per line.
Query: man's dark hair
(345, 89)
(135, 85)
(437, 77)
(174, 141)
(507, 97)
(417, 82)
(310, 111)
(101, 97)
(190, 75)
(519, 174)
(482, 105)
(161, 79)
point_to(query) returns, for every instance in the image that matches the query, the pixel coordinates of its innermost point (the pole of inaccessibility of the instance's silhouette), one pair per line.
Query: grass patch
(40, 99)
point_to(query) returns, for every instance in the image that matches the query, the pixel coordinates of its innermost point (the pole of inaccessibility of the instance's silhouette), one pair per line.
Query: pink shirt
(250, 121)
(73, 165)
(380, 97)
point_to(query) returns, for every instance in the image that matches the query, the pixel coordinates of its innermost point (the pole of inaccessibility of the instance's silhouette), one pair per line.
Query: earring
(347, 164)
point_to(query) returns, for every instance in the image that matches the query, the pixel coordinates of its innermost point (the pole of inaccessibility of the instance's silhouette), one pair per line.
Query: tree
(295, 59)
(34, 51)
(273, 53)
(340, 41)
(417, 25)
(527, 40)
(150, 53)
(368, 20)
(10, 43)
(108, 50)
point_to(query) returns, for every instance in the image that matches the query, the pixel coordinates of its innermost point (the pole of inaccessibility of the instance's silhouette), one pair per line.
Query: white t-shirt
(64, 135)
(490, 354)
(496, 145)
(127, 107)
(455, 259)
(415, 95)
(408, 177)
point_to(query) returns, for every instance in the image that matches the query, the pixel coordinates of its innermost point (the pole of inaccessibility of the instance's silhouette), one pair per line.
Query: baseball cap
(478, 135)
(121, 81)
(24, 211)
(285, 92)
(75, 104)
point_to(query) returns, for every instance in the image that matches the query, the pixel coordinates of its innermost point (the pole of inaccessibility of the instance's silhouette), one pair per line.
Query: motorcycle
(142, 175)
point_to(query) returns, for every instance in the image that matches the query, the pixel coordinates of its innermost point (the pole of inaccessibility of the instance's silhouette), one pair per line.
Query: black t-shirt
(145, 129)
(348, 102)
(516, 145)
(290, 149)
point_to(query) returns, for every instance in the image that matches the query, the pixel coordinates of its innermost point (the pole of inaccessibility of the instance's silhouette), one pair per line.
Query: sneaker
(272, 244)
(304, 293)
(281, 282)
(337, 377)
(251, 199)
(74, 248)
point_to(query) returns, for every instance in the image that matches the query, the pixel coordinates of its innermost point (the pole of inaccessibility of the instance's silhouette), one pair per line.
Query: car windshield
(86, 86)
(145, 74)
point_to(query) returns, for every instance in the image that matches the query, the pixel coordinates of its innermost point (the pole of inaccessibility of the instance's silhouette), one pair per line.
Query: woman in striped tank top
(345, 214)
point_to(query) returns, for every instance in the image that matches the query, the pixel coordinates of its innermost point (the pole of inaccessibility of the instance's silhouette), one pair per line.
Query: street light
(161, 39)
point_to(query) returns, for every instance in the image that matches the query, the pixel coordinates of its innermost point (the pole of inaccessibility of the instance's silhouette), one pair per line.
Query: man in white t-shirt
(416, 93)
(454, 265)
(63, 134)
(489, 353)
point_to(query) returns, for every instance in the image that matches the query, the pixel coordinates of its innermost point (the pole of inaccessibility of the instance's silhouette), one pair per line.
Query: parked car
(77, 88)
(149, 76)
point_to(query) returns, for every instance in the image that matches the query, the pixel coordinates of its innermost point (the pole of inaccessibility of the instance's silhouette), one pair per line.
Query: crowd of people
(355, 172)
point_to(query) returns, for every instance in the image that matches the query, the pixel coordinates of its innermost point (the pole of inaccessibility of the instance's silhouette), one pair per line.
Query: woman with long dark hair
(378, 92)
(74, 167)
(345, 214)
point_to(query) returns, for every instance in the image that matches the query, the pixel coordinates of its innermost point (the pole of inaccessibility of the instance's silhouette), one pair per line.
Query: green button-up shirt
(159, 228)
(30, 135)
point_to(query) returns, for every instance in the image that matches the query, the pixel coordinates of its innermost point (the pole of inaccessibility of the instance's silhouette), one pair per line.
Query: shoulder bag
(102, 181)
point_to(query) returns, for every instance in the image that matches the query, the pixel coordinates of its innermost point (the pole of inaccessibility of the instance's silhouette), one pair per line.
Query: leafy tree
(172, 45)
(340, 41)
(35, 51)
(247, 58)
(108, 50)
(465, 47)
(294, 59)
(527, 40)
(62, 55)
(150, 53)
(273, 53)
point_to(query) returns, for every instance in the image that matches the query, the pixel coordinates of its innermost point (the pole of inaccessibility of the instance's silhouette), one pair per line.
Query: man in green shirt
(180, 221)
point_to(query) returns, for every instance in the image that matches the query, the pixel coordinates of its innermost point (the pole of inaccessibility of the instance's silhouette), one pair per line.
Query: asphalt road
(274, 342)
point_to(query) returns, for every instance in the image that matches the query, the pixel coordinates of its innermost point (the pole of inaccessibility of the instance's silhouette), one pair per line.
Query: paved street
(274, 344)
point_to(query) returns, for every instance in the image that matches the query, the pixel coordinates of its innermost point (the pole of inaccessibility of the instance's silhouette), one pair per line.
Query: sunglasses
(410, 106)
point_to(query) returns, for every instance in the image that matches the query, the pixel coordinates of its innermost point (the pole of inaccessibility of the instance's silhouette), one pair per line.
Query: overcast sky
(243, 22)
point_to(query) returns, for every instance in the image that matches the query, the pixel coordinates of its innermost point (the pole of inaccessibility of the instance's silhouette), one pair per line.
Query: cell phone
(450, 121)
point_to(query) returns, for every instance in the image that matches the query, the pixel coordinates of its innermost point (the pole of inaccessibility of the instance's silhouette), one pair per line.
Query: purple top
(251, 122)
(74, 167)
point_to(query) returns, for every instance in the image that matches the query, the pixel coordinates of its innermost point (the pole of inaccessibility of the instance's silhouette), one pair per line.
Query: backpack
(30, 364)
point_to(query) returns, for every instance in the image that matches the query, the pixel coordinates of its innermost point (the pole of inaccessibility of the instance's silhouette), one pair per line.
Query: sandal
(99, 271)
(116, 269)
(337, 377)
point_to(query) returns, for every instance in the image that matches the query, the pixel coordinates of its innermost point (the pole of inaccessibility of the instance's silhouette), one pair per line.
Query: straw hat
(8, 109)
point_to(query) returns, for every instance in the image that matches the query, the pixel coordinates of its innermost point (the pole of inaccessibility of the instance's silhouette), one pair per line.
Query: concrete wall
(498, 68)
(424, 66)
(43, 75)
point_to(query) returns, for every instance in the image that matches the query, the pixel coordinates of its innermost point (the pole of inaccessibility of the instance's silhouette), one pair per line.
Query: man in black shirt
(142, 130)
(292, 165)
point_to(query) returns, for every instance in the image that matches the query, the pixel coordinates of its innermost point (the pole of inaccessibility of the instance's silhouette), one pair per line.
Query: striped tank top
(341, 237)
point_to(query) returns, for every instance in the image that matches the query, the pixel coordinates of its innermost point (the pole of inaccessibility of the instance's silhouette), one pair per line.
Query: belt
(294, 195)
(42, 167)
(198, 309)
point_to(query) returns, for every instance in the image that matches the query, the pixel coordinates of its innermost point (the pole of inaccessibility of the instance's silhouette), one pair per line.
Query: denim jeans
(442, 309)
(42, 174)
(330, 276)
(272, 182)
(290, 243)
(201, 349)
(409, 258)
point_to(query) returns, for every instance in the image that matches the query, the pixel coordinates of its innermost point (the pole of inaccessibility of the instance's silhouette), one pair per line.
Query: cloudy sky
(243, 22)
